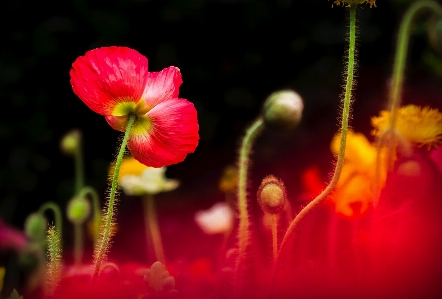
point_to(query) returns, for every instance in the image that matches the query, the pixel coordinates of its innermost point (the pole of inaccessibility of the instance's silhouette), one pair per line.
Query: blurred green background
(232, 54)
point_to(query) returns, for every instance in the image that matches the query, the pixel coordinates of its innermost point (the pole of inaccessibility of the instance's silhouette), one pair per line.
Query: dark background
(232, 54)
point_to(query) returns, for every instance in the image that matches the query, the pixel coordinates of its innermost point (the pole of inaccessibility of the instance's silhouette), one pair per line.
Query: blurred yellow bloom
(354, 192)
(136, 178)
(2, 277)
(421, 126)
(229, 179)
(129, 166)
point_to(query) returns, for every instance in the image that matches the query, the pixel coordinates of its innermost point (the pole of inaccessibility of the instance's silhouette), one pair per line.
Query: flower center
(125, 108)
(142, 122)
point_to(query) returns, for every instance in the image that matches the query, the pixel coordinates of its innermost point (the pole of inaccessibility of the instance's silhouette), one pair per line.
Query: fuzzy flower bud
(283, 110)
(35, 226)
(272, 195)
(70, 143)
(78, 210)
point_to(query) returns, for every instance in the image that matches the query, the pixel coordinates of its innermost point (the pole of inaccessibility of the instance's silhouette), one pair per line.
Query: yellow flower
(136, 178)
(129, 166)
(229, 179)
(354, 192)
(421, 126)
(2, 277)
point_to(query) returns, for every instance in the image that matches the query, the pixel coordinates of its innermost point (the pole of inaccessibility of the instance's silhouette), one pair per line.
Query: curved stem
(57, 216)
(400, 59)
(96, 218)
(243, 231)
(340, 159)
(152, 228)
(104, 242)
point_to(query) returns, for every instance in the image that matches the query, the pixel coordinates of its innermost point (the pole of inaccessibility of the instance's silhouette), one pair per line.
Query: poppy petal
(170, 136)
(162, 86)
(107, 76)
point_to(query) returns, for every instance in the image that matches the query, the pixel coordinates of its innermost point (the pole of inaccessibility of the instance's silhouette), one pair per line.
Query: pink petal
(118, 123)
(162, 86)
(11, 238)
(106, 76)
(173, 134)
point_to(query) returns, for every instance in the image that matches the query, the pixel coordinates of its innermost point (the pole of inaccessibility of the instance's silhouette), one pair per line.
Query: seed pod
(282, 110)
(272, 195)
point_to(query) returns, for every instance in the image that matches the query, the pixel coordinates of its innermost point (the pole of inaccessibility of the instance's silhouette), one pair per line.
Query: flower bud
(35, 226)
(272, 195)
(78, 210)
(434, 32)
(283, 110)
(71, 142)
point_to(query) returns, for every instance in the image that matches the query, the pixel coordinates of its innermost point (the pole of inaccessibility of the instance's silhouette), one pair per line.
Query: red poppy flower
(114, 82)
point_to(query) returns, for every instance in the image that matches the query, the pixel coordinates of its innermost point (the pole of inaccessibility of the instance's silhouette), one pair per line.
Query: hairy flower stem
(54, 262)
(243, 231)
(340, 159)
(402, 44)
(57, 216)
(106, 231)
(152, 228)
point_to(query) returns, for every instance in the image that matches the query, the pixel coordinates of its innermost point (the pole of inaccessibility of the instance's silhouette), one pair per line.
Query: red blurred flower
(11, 238)
(114, 82)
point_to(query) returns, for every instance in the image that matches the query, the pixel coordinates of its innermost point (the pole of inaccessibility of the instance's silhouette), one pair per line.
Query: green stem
(104, 242)
(152, 228)
(79, 170)
(96, 218)
(57, 215)
(400, 59)
(243, 231)
(340, 159)
(78, 243)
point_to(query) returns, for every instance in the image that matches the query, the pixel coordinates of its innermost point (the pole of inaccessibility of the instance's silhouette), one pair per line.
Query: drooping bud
(71, 142)
(283, 110)
(434, 32)
(272, 195)
(78, 210)
(35, 226)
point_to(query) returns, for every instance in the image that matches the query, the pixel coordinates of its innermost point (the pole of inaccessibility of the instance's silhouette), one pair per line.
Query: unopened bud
(434, 32)
(283, 110)
(71, 142)
(78, 210)
(35, 226)
(272, 195)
